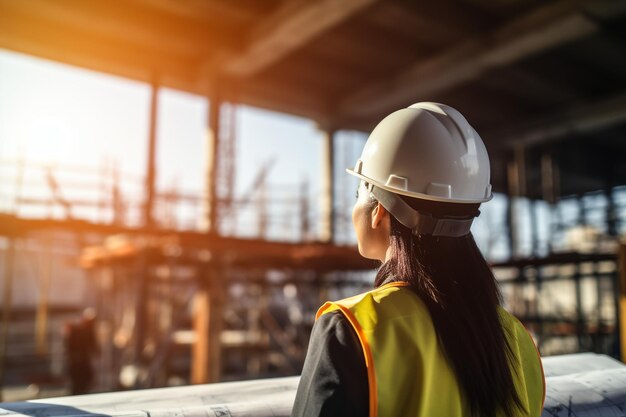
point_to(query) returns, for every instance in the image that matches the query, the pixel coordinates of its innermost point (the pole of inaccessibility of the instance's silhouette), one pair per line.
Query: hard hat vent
(400, 183)
(439, 190)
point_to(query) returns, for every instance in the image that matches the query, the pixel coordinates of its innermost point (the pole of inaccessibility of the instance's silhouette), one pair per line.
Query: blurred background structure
(178, 168)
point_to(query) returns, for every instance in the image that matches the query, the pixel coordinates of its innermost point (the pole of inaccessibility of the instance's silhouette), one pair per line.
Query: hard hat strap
(420, 223)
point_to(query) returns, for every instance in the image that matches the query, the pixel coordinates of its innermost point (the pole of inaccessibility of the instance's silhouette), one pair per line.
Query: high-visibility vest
(407, 372)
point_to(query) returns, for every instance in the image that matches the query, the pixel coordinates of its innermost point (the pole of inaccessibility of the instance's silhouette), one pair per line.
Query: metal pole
(41, 321)
(304, 211)
(612, 217)
(517, 189)
(206, 350)
(141, 282)
(580, 314)
(549, 192)
(534, 227)
(511, 209)
(216, 300)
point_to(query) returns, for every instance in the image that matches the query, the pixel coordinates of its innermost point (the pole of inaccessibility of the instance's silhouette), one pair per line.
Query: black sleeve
(334, 377)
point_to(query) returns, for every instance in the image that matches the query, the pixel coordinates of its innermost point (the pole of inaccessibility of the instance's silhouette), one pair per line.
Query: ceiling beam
(206, 10)
(50, 40)
(288, 29)
(577, 120)
(124, 22)
(278, 98)
(543, 29)
(528, 86)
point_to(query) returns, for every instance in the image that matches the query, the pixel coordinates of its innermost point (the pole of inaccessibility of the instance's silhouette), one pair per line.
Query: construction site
(220, 280)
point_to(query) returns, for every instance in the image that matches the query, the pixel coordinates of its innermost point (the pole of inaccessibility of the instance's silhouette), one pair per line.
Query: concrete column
(327, 211)
(148, 213)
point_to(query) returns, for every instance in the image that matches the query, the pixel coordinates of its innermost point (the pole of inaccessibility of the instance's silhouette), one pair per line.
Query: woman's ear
(378, 215)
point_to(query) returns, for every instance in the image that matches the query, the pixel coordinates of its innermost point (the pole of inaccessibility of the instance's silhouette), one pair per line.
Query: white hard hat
(426, 151)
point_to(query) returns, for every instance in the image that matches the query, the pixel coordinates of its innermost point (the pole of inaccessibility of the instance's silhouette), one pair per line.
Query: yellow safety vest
(407, 372)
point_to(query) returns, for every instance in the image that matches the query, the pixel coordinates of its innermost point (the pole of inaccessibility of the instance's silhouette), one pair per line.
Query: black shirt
(334, 377)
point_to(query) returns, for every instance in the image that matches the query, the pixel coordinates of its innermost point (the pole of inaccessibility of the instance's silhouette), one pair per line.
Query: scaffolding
(185, 300)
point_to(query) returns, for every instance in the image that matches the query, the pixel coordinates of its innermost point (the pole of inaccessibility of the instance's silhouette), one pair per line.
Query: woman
(431, 339)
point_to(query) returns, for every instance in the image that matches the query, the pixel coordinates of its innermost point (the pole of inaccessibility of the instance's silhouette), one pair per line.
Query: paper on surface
(579, 385)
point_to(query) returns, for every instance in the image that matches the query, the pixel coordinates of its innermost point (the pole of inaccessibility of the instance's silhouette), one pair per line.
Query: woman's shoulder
(509, 320)
(360, 300)
(519, 335)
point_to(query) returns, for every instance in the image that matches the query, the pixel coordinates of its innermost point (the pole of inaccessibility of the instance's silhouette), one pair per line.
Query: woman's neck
(387, 254)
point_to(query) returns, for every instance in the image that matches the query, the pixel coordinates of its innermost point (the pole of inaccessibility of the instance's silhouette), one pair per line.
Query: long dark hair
(457, 286)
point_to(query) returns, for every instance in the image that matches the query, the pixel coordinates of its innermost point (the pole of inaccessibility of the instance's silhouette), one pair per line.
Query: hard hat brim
(414, 194)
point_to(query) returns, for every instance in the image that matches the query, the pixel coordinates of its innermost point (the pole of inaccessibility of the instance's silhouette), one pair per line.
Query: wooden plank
(288, 29)
(541, 30)
(253, 251)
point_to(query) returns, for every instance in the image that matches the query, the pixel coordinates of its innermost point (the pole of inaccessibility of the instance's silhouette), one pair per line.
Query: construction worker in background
(431, 339)
(80, 347)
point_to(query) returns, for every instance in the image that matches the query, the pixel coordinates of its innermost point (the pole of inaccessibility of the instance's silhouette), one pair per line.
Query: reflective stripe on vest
(408, 374)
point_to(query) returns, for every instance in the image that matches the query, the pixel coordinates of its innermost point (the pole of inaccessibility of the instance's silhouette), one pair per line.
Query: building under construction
(543, 82)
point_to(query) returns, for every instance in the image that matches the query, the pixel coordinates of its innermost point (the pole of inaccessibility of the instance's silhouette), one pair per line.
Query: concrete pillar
(327, 211)
(148, 209)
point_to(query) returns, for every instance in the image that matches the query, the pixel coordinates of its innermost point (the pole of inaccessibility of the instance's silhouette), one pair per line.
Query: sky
(84, 127)
(60, 116)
